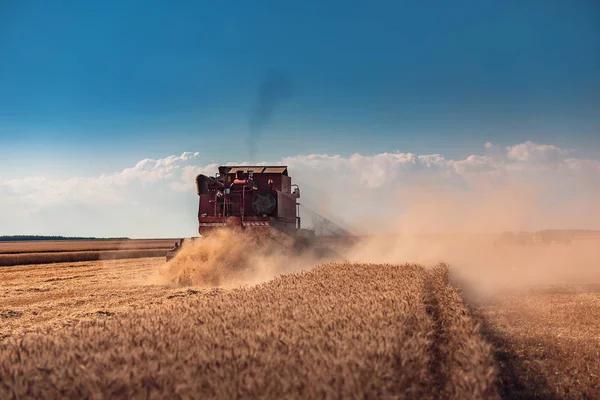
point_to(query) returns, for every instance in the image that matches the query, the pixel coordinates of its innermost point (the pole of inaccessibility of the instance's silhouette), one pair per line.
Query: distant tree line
(14, 238)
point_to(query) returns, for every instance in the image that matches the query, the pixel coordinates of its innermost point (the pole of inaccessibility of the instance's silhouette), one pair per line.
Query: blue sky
(96, 86)
(109, 109)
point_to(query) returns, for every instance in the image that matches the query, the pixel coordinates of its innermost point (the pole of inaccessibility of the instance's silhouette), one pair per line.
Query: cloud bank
(525, 186)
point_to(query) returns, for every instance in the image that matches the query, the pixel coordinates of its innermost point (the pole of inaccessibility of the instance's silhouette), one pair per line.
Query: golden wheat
(340, 330)
(81, 329)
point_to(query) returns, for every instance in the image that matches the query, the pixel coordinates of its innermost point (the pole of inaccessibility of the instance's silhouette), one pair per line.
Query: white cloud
(106, 188)
(536, 184)
(532, 152)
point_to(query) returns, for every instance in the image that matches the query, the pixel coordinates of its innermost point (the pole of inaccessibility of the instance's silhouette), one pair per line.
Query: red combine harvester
(248, 198)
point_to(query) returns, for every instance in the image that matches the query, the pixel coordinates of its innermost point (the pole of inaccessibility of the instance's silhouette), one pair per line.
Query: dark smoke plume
(274, 88)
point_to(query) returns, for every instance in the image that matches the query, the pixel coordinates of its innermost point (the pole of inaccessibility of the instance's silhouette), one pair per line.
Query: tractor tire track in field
(463, 362)
(338, 331)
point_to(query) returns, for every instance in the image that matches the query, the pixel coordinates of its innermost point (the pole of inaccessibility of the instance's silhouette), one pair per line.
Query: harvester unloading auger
(258, 199)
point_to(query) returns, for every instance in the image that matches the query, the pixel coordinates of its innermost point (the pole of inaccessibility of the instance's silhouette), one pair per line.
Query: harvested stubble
(340, 330)
(547, 342)
(47, 297)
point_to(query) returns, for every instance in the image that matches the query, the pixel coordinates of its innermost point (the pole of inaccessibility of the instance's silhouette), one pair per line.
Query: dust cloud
(229, 258)
(465, 230)
(427, 223)
(485, 267)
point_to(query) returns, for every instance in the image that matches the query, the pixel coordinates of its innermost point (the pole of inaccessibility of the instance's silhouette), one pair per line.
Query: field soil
(340, 330)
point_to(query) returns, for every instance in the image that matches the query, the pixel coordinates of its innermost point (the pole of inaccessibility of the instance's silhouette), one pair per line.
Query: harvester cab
(248, 198)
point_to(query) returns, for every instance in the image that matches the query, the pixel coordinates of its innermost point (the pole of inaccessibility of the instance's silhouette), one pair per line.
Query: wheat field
(123, 329)
(44, 252)
(340, 330)
(55, 246)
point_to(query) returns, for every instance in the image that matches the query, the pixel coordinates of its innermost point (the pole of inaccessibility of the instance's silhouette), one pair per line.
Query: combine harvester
(259, 200)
